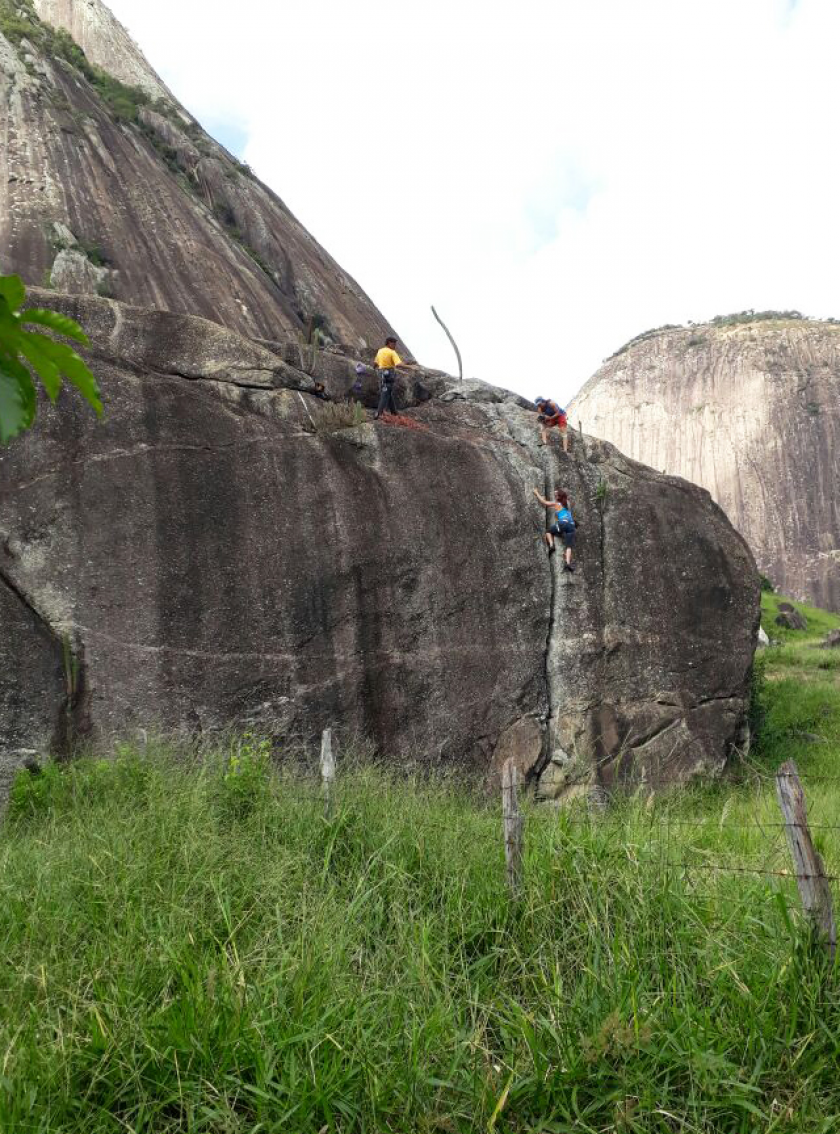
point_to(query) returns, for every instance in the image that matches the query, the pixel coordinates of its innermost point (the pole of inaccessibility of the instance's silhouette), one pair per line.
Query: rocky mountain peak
(109, 187)
(105, 41)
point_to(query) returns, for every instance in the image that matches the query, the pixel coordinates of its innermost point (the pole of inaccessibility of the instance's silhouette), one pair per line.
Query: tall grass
(334, 416)
(195, 948)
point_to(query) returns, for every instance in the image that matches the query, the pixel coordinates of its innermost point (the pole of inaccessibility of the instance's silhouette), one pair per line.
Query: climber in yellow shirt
(386, 357)
(387, 361)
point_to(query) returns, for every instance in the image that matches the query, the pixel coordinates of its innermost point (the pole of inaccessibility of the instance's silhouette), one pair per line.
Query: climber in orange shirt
(552, 416)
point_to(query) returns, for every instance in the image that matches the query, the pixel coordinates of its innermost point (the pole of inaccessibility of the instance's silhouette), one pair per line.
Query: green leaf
(19, 372)
(48, 358)
(13, 291)
(72, 366)
(49, 373)
(8, 319)
(56, 322)
(17, 399)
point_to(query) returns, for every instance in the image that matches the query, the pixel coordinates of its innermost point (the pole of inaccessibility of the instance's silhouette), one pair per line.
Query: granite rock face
(201, 556)
(105, 42)
(121, 193)
(751, 412)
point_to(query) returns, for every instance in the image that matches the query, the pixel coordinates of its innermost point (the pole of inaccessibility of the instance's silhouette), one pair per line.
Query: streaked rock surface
(142, 205)
(105, 42)
(752, 413)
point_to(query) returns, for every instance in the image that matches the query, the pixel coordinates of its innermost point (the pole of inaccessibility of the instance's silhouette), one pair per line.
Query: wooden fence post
(327, 771)
(814, 889)
(512, 821)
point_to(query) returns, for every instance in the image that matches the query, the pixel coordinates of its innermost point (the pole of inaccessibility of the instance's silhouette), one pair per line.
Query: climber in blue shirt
(563, 526)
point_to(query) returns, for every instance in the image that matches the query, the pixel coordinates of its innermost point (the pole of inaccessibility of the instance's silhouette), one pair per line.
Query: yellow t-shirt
(387, 359)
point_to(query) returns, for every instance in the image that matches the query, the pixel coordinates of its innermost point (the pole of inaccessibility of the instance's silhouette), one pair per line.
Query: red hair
(561, 496)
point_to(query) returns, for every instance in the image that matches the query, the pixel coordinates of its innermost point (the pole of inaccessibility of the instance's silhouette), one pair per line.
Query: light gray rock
(104, 40)
(73, 272)
(752, 413)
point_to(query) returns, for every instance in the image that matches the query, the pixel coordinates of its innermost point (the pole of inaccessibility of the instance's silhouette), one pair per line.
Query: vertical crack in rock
(550, 724)
(574, 649)
(601, 501)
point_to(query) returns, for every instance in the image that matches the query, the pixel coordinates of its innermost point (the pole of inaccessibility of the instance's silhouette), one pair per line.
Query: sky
(555, 176)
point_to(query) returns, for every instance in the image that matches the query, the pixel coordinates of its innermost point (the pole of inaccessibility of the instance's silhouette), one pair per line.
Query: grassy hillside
(799, 693)
(195, 948)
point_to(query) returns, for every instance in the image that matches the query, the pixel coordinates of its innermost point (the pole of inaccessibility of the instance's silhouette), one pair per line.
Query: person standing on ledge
(552, 416)
(563, 526)
(387, 361)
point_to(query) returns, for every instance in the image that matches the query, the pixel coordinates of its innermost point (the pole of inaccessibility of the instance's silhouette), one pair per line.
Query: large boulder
(206, 556)
(791, 618)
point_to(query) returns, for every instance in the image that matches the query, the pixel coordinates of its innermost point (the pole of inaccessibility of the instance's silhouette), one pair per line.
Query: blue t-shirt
(564, 516)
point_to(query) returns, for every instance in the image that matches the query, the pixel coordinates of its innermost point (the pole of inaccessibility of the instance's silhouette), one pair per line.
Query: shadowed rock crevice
(39, 713)
(71, 718)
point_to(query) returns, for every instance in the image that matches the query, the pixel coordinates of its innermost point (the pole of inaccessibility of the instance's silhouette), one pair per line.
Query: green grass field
(194, 947)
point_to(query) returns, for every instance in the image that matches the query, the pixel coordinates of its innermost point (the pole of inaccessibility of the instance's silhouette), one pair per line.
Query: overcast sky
(556, 176)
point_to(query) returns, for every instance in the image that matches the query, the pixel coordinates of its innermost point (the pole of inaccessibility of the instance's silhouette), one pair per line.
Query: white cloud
(555, 176)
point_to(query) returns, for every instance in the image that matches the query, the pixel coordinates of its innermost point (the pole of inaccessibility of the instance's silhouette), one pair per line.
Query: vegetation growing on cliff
(197, 948)
(737, 319)
(19, 21)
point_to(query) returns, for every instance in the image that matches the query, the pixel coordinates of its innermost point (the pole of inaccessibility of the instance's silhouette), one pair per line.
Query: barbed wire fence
(776, 846)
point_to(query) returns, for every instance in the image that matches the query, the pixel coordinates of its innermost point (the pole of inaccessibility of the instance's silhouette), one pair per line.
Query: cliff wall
(105, 41)
(750, 411)
(113, 189)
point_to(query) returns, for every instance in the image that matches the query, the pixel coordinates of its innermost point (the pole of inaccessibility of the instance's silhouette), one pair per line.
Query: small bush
(338, 415)
(767, 586)
(245, 779)
(740, 317)
(94, 254)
